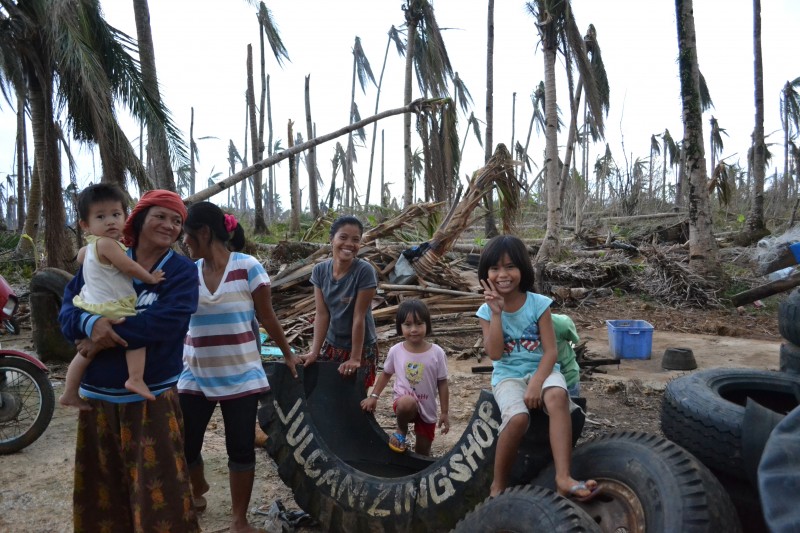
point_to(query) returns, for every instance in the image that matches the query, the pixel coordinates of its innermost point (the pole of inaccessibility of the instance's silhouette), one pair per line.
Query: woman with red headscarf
(130, 470)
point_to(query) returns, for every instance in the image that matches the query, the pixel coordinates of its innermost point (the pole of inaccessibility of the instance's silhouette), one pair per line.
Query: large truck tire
(789, 318)
(337, 461)
(790, 358)
(704, 411)
(527, 509)
(47, 292)
(647, 483)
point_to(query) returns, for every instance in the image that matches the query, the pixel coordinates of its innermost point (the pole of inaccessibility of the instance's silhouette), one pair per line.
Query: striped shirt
(221, 359)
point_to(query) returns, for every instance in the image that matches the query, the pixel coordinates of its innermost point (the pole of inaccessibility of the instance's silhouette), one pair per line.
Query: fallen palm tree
(498, 173)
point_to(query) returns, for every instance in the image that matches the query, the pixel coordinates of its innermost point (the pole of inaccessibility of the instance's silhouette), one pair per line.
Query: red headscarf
(157, 197)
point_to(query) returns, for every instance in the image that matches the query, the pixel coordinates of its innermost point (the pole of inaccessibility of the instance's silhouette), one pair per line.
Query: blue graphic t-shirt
(522, 348)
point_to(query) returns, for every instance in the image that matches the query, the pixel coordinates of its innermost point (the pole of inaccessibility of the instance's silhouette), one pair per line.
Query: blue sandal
(397, 442)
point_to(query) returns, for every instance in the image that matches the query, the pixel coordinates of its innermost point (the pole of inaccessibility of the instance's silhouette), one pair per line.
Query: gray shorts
(510, 393)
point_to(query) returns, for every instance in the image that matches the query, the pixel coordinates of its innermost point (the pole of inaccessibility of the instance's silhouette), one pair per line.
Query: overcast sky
(201, 48)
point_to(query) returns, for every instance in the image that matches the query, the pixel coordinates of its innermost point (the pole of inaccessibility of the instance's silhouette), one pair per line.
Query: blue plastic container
(630, 339)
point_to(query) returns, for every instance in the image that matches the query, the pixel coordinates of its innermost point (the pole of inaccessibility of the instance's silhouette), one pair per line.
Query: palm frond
(271, 32)
(363, 70)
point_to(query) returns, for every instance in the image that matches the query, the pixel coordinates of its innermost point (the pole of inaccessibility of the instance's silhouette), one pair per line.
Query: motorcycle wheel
(26, 403)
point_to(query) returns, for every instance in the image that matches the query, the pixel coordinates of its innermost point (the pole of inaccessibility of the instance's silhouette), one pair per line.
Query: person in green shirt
(566, 338)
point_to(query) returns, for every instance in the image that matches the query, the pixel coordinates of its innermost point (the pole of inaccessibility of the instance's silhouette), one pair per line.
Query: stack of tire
(724, 416)
(339, 469)
(648, 483)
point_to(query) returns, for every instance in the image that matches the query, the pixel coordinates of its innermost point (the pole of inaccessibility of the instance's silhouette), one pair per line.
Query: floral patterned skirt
(369, 358)
(130, 471)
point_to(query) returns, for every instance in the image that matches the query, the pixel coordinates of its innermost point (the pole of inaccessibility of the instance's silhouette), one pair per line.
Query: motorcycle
(27, 400)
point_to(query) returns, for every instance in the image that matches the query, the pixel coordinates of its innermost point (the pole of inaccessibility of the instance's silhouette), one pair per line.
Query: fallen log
(768, 289)
(645, 217)
(432, 290)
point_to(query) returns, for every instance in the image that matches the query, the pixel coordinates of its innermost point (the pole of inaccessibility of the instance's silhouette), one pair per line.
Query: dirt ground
(36, 483)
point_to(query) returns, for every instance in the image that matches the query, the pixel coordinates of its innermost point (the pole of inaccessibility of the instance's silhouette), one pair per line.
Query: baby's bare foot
(140, 388)
(74, 400)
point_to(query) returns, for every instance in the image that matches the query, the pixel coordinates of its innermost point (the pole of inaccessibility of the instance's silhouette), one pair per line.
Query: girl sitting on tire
(422, 371)
(518, 336)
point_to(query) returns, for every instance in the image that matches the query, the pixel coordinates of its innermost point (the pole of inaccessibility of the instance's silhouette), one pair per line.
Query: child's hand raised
(493, 298)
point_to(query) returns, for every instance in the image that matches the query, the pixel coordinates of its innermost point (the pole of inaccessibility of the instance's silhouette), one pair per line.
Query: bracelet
(373, 395)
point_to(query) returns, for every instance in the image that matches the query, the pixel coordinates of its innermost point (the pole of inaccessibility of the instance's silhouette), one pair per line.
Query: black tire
(28, 403)
(47, 294)
(703, 412)
(51, 280)
(790, 358)
(647, 483)
(789, 318)
(347, 478)
(527, 509)
(746, 502)
(678, 359)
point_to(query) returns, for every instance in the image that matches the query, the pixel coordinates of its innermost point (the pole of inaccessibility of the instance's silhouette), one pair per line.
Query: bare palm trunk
(156, 134)
(572, 137)
(22, 148)
(45, 140)
(490, 228)
(375, 125)
(31, 227)
(551, 244)
(192, 152)
(384, 199)
(294, 185)
(702, 246)
(259, 227)
(311, 158)
(408, 178)
(271, 186)
(755, 218)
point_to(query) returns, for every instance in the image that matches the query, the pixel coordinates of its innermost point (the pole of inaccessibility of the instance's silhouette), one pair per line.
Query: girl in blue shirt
(518, 336)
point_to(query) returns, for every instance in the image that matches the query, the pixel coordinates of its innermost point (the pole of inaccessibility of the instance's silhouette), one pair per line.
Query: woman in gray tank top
(344, 286)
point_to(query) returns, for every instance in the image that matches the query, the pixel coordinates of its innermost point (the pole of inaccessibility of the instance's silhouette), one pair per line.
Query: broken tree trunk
(499, 172)
(768, 289)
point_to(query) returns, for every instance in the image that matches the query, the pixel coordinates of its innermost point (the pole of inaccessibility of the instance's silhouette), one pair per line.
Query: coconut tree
(314, 178)
(556, 23)
(268, 29)
(755, 219)
(426, 52)
(715, 144)
(702, 246)
(669, 149)
(400, 46)
(157, 138)
(655, 150)
(22, 154)
(591, 126)
(790, 115)
(537, 120)
(63, 55)
(362, 71)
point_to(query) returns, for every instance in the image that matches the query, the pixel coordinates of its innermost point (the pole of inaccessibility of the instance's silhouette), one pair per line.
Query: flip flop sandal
(581, 486)
(399, 445)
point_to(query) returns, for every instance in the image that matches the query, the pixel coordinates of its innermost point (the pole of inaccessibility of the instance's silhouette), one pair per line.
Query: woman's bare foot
(247, 528)
(140, 388)
(573, 489)
(199, 486)
(73, 399)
